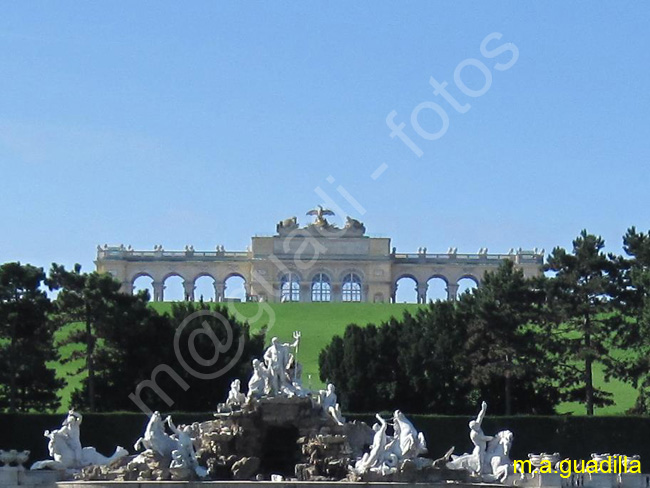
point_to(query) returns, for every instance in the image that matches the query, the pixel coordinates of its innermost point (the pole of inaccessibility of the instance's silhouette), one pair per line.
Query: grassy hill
(318, 322)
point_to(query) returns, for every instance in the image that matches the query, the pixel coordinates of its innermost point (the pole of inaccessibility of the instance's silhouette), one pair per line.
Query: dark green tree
(94, 303)
(196, 355)
(632, 301)
(508, 342)
(580, 298)
(416, 361)
(26, 341)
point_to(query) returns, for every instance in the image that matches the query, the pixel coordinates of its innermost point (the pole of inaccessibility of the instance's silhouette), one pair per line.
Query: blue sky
(206, 123)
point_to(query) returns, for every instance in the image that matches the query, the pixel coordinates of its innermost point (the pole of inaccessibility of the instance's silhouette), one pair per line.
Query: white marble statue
(258, 384)
(497, 458)
(379, 458)
(411, 442)
(278, 360)
(489, 458)
(329, 403)
(177, 449)
(155, 438)
(66, 450)
(479, 439)
(235, 397)
(184, 456)
(387, 453)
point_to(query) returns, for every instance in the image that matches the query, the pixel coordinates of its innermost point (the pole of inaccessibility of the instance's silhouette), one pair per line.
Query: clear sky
(205, 123)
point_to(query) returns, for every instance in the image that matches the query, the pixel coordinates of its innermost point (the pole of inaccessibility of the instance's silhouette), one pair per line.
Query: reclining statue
(66, 451)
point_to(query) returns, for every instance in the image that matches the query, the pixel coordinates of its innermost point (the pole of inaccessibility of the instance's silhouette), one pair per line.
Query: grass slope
(318, 322)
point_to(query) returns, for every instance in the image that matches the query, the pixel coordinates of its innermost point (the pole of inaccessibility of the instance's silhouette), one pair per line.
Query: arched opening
(321, 288)
(407, 290)
(143, 282)
(290, 288)
(204, 288)
(235, 288)
(173, 290)
(436, 289)
(351, 289)
(467, 284)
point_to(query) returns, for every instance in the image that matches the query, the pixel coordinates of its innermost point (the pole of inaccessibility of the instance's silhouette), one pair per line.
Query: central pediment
(320, 228)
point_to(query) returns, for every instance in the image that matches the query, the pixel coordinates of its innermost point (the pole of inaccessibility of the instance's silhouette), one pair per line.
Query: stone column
(277, 292)
(452, 291)
(189, 288)
(365, 289)
(158, 291)
(219, 289)
(422, 292)
(393, 293)
(305, 292)
(336, 293)
(247, 289)
(127, 288)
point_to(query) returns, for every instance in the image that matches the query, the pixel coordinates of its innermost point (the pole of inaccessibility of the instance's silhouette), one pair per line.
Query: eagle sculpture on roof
(320, 214)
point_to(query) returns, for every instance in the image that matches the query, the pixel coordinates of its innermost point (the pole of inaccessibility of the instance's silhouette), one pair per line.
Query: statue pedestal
(40, 478)
(8, 477)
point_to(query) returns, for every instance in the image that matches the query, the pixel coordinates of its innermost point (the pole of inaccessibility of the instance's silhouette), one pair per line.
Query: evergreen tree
(416, 361)
(26, 341)
(632, 300)
(580, 297)
(92, 301)
(508, 354)
(144, 341)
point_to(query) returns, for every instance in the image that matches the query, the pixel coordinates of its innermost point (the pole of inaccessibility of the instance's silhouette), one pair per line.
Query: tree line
(522, 344)
(116, 339)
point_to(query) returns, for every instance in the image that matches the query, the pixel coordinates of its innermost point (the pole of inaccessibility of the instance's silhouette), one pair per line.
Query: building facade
(316, 263)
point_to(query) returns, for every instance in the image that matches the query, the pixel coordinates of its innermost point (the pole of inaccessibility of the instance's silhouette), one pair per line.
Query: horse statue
(411, 442)
(155, 437)
(498, 455)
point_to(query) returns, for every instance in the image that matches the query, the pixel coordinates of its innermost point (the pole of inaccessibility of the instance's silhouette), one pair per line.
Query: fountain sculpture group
(277, 430)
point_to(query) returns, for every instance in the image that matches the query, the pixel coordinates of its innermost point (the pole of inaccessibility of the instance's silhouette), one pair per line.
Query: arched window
(351, 290)
(321, 288)
(290, 288)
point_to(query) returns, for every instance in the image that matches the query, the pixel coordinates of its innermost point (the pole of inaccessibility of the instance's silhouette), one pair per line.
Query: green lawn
(318, 322)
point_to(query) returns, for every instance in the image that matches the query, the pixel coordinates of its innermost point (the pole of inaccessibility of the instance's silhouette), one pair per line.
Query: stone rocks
(246, 468)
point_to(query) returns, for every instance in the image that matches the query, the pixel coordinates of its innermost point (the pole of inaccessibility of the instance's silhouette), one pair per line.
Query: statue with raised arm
(479, 439)
(278, 360)
(184, 456)
(155, 438)
(378, 454)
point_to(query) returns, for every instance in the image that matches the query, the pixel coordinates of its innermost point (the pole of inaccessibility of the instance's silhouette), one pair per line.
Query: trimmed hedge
(575, 437)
